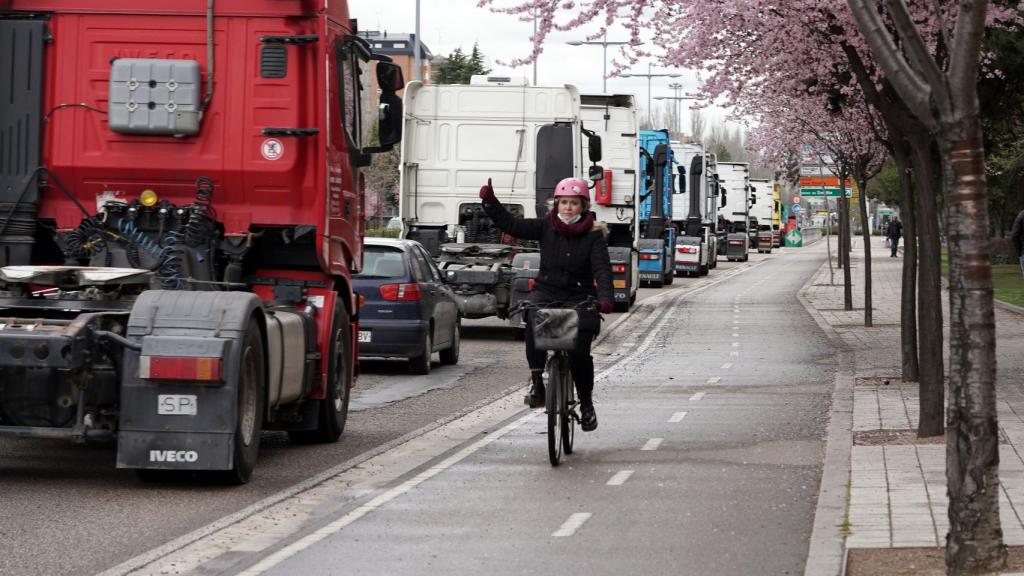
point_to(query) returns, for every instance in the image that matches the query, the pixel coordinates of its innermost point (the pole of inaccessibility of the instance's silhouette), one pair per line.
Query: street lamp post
(676, 87)
(604, 44)
(416, 46)
(649, 75)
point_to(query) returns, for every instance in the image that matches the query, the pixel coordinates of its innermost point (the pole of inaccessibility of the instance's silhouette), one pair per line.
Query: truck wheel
(703, 271)
(670, 278)
(332, 412)
(252, 381)
(620, 307)
(450, 356)
(421, 364)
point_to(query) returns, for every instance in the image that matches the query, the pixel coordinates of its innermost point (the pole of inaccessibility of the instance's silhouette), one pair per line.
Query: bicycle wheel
(568, 408)
(553, 403)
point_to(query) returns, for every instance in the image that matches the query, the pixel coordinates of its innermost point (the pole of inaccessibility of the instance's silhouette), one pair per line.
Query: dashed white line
(734, 353)
(735, 344)
(572, 525)
(677, 417)
(727, 365)
(696, 397)
(620, 478)
(653, 444)
(374, 504)
(714, 380)
(735, 334)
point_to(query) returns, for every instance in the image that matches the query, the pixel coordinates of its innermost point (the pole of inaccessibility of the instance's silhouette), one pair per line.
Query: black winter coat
(569, 265)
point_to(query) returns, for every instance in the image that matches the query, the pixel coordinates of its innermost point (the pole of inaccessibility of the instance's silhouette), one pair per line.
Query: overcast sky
(449, 24)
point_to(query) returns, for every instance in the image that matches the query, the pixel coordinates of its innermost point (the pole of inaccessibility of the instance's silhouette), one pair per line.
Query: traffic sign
(824, 192)
(796, 199)
(796, 208)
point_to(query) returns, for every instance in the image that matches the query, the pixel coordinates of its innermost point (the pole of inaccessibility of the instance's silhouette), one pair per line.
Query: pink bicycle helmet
(572, 187)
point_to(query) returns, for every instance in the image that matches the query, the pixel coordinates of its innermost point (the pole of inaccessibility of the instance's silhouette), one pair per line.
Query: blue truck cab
(657, 235)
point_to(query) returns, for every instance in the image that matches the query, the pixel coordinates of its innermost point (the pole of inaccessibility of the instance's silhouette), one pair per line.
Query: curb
(827, 551)
(1008, 307)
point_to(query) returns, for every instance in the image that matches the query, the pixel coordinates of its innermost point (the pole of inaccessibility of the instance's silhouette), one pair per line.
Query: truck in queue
(179, 233)
(776, 214)
(761, 208)
(657, 235)
(694, 200)
(735, 209)
(524, 139)
(613, 117)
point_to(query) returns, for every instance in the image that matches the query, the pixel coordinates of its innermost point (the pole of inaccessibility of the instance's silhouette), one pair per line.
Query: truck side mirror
(682, 180)
(723, 199)
(389, 120)
(593, 146)
(753, 199)
(596, 173)
(389, 77)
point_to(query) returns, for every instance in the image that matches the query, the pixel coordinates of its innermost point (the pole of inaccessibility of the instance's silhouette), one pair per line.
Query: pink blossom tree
(916, 62)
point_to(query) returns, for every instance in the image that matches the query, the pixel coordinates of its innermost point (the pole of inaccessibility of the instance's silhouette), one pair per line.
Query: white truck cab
(524, 139)
(735, 210)
(613, 117)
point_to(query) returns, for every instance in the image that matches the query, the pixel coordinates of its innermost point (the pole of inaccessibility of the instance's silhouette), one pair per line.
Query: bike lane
(707, 459)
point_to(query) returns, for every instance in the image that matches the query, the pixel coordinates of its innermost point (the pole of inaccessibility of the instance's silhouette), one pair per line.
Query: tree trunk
(975, 543)
(844, 242)
(929, 295)
(908, 292)
(866, 233)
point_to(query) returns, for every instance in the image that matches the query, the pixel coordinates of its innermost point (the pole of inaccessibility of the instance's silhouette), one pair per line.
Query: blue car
(409, 311)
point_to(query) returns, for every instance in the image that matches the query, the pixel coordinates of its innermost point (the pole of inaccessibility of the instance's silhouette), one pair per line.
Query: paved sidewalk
(897, 492)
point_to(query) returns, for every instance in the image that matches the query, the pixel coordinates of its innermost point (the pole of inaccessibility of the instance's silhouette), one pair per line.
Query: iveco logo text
(173, 456)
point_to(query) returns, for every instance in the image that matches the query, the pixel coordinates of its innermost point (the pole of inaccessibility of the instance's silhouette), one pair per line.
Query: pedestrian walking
(895, 231)
(1018, 238)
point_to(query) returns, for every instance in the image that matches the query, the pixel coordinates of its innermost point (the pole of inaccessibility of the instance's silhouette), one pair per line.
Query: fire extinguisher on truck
(178, 237)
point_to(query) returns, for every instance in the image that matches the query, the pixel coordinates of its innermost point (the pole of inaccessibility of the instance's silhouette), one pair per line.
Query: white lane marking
(696, 397)
(572, 525)
(620, 478)
(735, 344)
(727, 365)
(677, 417)
(735, 334)
(734, 353)
(653, 444)
(714, 380)
(334, 527)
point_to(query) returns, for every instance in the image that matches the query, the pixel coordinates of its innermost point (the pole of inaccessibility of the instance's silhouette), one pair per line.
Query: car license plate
(177, 404)
(364, 335)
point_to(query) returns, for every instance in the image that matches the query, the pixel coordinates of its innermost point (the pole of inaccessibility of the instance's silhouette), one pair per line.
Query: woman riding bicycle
(574, 267)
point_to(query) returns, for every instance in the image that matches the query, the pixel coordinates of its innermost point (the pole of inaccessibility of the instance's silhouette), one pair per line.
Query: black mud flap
(176, 424)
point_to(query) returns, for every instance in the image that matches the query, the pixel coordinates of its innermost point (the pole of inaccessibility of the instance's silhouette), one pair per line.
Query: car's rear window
(382, 262)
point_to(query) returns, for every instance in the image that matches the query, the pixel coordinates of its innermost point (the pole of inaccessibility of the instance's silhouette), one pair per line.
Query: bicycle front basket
(555, 328)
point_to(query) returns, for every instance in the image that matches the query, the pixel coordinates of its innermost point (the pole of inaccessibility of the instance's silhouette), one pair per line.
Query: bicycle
(555, 329)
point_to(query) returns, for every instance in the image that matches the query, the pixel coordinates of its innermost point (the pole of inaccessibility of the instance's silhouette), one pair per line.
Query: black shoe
(535, 399)
(588, 418)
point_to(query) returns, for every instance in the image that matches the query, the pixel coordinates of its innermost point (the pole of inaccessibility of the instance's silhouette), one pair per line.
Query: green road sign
(823, 192)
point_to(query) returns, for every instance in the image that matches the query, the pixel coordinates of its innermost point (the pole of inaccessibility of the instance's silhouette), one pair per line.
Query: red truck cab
(181, 204)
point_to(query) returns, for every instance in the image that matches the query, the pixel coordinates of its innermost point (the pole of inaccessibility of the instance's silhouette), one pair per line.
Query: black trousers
(581, 363)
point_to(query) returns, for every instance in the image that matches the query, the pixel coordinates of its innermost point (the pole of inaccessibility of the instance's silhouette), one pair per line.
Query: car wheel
(421, 364)
(450, 356)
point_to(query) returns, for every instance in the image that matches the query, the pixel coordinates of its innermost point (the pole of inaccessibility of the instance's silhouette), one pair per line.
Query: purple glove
(605, 306)
(487, 193)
